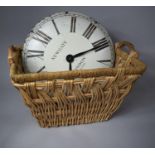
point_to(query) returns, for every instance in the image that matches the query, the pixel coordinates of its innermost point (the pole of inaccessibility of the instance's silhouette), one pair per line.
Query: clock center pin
(69, 58)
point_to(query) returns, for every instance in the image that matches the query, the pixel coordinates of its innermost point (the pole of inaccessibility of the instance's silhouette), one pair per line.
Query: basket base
(66, 121)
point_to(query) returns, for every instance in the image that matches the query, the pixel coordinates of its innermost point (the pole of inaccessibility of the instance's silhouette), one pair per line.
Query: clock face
(67, 41)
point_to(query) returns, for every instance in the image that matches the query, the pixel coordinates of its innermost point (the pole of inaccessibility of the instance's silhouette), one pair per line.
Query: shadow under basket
(78, 96)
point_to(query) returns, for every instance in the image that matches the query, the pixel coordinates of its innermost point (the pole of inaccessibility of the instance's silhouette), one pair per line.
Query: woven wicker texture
(76, 97)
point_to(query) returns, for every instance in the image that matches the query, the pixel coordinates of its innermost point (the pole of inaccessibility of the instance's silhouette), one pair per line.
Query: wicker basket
(76, 97)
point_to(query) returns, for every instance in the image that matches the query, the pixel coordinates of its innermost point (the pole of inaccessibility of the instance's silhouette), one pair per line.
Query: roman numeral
(102, 61)
(73, 24)
(35, 53)
(89, 31)
(41, 69)
(100, 44)
(55, 26)
(45, 38)
(43, 35)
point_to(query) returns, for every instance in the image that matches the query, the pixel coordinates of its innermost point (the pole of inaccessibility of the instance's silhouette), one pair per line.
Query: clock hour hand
(70, 66)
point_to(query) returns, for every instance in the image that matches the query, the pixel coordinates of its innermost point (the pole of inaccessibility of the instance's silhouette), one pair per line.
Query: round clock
(67, 41)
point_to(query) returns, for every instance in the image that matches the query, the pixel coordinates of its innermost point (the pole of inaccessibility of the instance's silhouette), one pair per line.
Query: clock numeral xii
(73, 24)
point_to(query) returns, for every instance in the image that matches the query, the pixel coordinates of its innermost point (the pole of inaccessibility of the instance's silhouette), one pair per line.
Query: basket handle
(131, 49)
(12, 54)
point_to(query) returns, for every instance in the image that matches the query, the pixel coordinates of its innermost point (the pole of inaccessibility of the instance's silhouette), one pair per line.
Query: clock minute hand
(84, 52)
(70, 58)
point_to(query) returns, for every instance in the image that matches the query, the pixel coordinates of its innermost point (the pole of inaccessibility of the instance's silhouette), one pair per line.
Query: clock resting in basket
(69, 72)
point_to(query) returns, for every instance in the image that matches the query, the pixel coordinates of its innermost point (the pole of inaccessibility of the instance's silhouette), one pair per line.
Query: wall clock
(67, 41)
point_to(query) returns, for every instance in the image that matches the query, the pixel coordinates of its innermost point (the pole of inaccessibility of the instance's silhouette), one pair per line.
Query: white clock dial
(67, 41)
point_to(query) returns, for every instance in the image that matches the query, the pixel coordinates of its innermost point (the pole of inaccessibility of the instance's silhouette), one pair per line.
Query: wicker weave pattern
(57, 102)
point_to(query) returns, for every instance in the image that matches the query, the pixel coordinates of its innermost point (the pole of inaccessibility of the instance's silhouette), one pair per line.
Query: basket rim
(14, 52)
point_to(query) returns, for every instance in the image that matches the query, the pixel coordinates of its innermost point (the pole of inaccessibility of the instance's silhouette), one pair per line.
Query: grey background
(132, 126)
